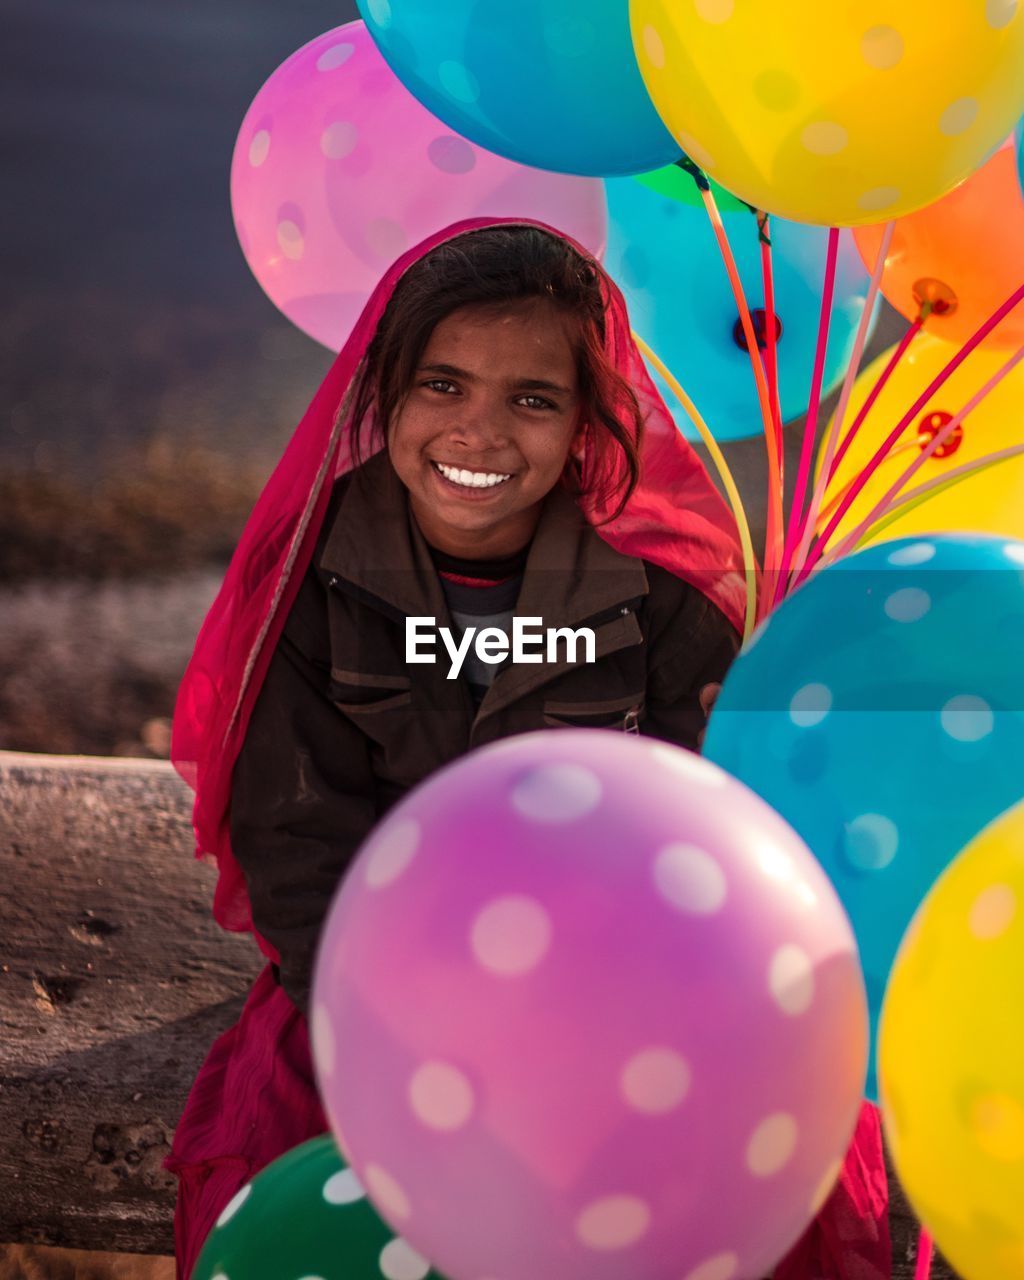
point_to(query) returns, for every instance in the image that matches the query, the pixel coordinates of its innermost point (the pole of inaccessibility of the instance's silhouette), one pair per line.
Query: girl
(488, 446)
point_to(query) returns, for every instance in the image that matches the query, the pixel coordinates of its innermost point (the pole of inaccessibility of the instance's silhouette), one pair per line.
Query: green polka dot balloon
(307, 1217)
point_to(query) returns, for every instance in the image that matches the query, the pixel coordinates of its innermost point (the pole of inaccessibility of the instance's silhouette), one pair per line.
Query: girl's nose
(477, 431)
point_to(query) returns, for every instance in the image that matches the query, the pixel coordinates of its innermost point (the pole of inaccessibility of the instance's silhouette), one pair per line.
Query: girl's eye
(537, 402)
(440, 384)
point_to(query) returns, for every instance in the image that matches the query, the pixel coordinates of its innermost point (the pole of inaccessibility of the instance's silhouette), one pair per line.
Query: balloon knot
(695, 171)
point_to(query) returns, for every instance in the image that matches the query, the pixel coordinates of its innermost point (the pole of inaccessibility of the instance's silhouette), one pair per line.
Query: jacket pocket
(623, 714)
(360, 693)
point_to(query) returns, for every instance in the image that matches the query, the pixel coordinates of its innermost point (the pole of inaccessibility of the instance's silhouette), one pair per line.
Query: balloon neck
(759, 319)
(695, 171)
(934, 297)
(930, 426)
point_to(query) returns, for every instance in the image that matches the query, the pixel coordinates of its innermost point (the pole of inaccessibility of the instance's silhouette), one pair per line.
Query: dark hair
(493, 267)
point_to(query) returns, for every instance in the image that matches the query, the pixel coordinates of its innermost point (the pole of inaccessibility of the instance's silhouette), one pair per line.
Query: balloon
(338, 170)
(673, 182)
(880, 710)
(552, 83)
(965, 253)
(307, 1214)
(1019, 135)
(664, 256)
(992, 501)
(590, 985)
(952, 1057)
(833, 116)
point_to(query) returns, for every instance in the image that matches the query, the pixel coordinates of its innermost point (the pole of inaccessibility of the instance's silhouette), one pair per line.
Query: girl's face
(486, 428)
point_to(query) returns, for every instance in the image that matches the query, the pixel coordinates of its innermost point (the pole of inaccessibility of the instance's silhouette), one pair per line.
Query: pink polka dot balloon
(338, 170)
(585, 1006)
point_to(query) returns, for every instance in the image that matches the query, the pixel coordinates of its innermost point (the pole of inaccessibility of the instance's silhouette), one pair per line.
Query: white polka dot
(992, 912)
(723, 1266)
(344, 1187)
(259, 148)
(967, 718)
(322, 1036)
(877, 199)
(339, 139)
(870, 841)
(391, 853)
(1000, 13)
(336, 56)
(386, 238)
(881, 47)
(688, 764)
(458, 82)
(1014, 551)
(655, 1080)
(387, 1193)
(908, 604)
(915, 553)
(810, 705)
(400, 1261)
(441, 1096)
(511, 935)
(380, 12)
(614, 1222)
(557, 793)
(234, 1204)
(715, 11)
(290, 239)
(791, 980)
(689, 878)
(825, 1186)
(824, 138)
(772, 1145)
(311, 1278)
(654, 47)
(958, 116)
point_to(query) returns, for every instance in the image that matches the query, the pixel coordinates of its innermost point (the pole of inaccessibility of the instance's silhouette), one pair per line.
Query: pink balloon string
(937, 441)
(771, 322)
(808, 521)
(813, 409)
(876, 391)
(925, 1253)
(877, 458)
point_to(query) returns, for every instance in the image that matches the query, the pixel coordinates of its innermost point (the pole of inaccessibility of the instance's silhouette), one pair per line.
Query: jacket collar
(572, 574)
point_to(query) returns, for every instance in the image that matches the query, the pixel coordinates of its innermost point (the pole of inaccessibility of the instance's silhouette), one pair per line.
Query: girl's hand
(707, 698)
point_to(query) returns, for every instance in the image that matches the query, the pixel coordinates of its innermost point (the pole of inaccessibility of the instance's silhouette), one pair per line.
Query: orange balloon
(964, 253)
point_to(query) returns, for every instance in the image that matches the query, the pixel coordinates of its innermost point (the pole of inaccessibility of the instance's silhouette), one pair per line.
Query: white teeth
(471, 479)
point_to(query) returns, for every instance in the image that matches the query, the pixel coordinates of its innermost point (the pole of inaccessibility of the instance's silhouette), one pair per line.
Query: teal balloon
(880, 711)
(664, 256)
(550, 83)
(307, 1215)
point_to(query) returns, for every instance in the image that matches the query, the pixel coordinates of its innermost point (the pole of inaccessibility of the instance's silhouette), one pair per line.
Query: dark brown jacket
(343, 727)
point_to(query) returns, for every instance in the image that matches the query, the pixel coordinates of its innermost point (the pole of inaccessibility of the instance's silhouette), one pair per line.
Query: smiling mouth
(463, 479)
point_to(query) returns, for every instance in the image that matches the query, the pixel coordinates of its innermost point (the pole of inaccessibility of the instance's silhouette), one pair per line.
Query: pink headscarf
(675, 518)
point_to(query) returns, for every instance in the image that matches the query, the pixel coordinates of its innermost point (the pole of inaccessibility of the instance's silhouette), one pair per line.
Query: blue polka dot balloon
(880, 711)
(550, 83)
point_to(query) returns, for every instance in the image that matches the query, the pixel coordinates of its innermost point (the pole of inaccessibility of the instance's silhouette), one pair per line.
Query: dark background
(147, 385)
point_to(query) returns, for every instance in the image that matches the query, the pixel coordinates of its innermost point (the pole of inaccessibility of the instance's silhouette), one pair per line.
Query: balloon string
(733, 494)
(813, 409)
(901, 426)
(936, 442)
(773, 536)
(925, 1251)
(771, 321)
(923, 492)
(808, 520)
(877, 389)
(834, 502)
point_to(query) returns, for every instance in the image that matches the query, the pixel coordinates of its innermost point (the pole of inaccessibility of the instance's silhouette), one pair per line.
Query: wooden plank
(38, 1262)
(115, 982)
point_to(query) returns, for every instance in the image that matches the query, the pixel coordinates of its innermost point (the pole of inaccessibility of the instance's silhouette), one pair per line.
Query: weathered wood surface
(40, 1262)
(114, 983)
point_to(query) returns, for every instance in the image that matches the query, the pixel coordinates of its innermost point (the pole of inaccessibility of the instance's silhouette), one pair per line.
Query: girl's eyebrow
(529, 384)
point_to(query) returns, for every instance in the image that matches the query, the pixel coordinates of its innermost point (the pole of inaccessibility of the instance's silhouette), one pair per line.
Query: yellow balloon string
(774, 533)
(733, 494)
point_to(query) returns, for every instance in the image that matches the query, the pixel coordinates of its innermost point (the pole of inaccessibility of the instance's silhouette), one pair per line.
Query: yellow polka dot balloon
(951, 1057)
(834, 114)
